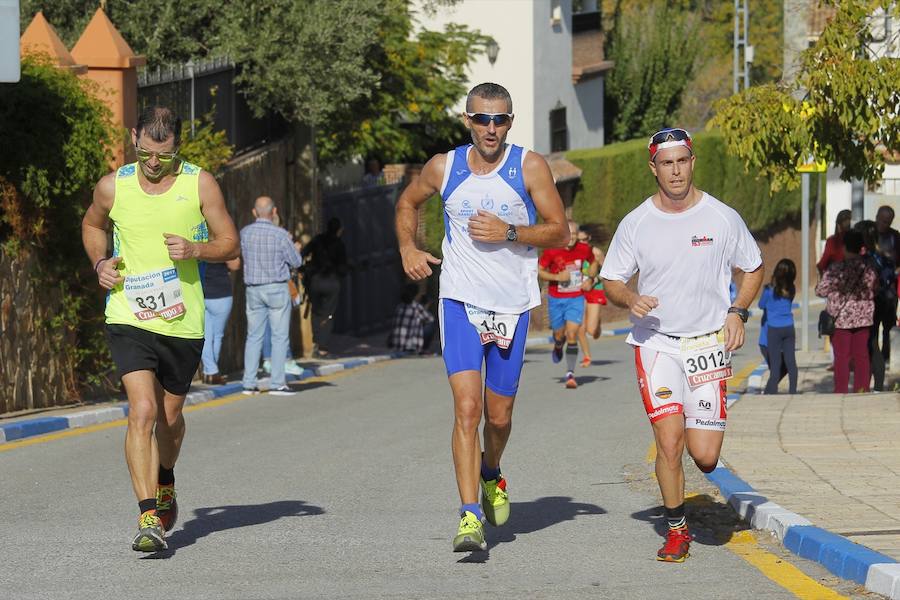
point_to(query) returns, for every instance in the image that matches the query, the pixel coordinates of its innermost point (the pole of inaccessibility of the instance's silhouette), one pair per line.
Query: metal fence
(195, 89)
(371, 291)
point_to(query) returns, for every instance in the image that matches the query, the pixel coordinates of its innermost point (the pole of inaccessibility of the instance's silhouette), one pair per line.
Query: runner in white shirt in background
(685, 244)
(492, 194)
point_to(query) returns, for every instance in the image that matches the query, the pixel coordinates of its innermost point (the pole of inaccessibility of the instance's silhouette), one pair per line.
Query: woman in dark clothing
(881, 264)
(217, 296)
(776, 301)
(325, 263)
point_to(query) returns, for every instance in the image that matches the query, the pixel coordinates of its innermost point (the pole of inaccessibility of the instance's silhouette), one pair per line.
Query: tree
(362, 81)
(419, 80)
(654, 48)
(56, 135)
(165, 31)
(848, 112)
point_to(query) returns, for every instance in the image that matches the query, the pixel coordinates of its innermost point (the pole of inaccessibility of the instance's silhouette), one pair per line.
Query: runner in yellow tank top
(165, 215)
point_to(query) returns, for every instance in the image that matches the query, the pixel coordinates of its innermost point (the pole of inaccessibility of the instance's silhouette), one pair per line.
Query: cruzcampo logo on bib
(155, 295)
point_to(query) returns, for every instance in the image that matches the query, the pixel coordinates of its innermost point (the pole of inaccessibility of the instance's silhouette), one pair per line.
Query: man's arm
(619, 294)
(552, 233)
(95, 230)
(224, 242)
(734, 326)
(548, 276)
(416, 262)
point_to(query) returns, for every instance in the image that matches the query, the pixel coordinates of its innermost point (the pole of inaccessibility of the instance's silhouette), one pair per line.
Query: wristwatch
(743, 313)
(511, 234)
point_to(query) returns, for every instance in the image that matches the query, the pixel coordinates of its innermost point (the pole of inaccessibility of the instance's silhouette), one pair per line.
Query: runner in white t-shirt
(685, 244)
(492, 193)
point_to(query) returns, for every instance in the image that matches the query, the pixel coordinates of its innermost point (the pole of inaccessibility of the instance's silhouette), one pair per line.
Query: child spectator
(776, 301)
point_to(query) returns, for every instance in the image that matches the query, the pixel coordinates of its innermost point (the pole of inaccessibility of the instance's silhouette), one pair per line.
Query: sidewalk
(821, 471)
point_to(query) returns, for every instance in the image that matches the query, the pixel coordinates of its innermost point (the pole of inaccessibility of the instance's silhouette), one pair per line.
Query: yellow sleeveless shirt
(158, 295)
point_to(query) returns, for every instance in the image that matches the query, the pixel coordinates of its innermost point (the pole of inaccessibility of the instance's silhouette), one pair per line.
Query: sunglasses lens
(163, 157)
(670, 135)
(484, 119)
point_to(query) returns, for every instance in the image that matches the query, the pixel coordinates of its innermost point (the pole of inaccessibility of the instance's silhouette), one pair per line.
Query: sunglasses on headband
(499, 119)
(668, 138)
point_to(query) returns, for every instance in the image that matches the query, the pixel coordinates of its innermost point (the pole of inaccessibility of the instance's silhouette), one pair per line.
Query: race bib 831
(155, 295)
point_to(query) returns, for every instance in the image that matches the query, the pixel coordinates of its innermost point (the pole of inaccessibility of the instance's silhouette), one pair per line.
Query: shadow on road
(222, 518)
(711, 523)
(528, 517)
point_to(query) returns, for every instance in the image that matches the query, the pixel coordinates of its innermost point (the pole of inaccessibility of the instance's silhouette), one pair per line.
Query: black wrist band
(97, 264)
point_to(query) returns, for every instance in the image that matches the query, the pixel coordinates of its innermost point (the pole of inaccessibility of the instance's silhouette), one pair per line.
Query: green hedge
(616, 179)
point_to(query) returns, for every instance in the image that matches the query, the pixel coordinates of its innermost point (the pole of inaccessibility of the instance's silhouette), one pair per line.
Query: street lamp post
(492, 48)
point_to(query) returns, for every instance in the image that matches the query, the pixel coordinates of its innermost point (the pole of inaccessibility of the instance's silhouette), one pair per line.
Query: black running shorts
(174, 360)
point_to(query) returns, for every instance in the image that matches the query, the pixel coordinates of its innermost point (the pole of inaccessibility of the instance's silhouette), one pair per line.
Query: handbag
(826, 323)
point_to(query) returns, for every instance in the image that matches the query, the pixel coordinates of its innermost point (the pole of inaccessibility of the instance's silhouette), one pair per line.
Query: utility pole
(743, 51)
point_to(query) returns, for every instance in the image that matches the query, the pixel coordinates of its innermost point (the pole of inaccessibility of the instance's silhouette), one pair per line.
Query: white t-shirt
(685, 261)
(501, 277)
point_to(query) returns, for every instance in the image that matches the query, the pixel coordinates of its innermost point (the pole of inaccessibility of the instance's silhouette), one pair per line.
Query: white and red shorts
(665, 391)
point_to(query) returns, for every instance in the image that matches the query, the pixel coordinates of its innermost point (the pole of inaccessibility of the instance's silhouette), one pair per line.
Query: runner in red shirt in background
(562, 268)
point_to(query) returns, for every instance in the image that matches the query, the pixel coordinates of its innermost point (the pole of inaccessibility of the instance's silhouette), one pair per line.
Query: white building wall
(510, 23)
(553, 82)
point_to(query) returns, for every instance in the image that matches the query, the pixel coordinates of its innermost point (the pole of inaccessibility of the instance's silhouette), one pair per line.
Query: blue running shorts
(565, 309)
(463, 350)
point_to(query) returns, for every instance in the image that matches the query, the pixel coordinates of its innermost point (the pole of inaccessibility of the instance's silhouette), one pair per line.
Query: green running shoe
(150, 537)
(166, 506)
(495, 501)
(470, 536)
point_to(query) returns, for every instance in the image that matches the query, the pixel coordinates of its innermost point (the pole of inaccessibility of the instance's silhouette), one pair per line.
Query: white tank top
(500, 276)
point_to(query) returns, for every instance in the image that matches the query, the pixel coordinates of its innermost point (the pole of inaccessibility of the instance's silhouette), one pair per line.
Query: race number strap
(155, 295)
(705, 359)
(575, 278)
(491, 326)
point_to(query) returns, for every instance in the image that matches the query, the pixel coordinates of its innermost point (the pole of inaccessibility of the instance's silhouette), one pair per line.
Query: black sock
(675, 517)
(571, 356)
(148, 504)
(166, 476)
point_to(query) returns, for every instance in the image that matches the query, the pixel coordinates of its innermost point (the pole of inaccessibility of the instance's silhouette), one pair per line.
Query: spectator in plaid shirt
(413, 325)
(269, 255)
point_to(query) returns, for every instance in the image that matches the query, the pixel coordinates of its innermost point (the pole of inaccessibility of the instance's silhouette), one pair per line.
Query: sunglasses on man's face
(163, 157)
(499, 119)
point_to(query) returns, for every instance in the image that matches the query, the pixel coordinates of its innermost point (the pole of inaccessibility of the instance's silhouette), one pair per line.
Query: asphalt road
(346, 490)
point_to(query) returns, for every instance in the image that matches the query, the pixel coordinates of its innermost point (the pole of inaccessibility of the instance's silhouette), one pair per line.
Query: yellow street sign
(812, 166)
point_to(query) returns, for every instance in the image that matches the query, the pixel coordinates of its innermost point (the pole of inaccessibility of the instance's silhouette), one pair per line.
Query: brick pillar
(41, 38)
(113, 65)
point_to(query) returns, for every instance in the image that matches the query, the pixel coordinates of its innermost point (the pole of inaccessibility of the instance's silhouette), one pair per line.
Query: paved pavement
(832, 460)
(346, 490)
(819, 470)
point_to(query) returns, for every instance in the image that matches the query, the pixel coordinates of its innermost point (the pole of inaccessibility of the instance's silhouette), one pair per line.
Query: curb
(877, 572)
(27, 428)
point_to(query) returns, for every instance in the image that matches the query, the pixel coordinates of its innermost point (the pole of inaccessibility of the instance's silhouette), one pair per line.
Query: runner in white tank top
(685, 244)
(492, 193)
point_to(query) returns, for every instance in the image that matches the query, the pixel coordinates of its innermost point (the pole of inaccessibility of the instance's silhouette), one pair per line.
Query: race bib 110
(491, 326)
